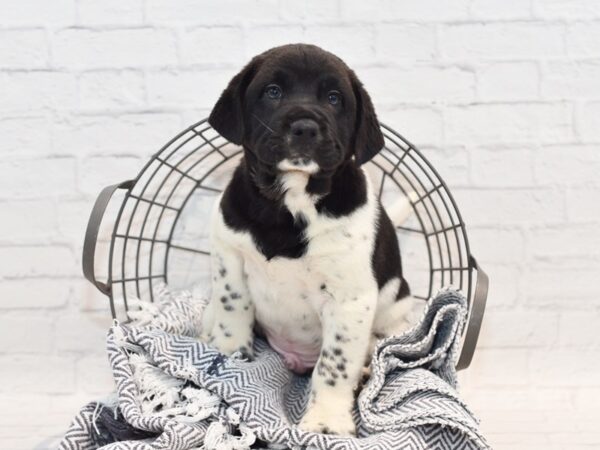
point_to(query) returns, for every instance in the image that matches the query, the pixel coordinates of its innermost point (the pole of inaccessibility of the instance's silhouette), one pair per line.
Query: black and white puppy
(302, 251)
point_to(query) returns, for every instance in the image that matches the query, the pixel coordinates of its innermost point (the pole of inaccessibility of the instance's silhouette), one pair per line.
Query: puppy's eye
(273, 92)
(334, 97)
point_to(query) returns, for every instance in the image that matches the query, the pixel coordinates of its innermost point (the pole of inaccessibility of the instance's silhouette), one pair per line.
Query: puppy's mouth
(301, 164)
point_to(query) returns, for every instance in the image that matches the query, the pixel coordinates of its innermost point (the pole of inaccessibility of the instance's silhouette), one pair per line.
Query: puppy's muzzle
(303, 136)
(304, 132)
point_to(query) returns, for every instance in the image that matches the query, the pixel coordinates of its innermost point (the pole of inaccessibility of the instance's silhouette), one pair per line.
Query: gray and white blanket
(175, 392)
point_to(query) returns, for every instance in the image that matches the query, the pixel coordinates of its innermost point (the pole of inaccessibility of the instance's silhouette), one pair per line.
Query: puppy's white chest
(285, 291)
(289, 296)
(289, 285)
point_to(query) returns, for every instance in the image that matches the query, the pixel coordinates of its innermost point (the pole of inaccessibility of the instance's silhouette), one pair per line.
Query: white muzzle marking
(298, 165)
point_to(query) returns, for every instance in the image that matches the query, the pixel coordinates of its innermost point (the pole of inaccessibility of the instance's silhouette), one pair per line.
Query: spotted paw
(247, 352)
(328, 420)
(206, 337)
(229, 345)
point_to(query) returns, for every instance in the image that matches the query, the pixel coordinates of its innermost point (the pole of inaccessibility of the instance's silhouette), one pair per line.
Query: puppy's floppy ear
(368, 139)
(227, 115)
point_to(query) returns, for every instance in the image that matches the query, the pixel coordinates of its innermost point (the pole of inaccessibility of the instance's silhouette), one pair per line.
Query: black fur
(386, 255)
(347, 192)
(348, 136)
(272, 226)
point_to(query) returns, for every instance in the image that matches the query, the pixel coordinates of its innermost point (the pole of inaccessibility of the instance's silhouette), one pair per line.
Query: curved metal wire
(183, 167)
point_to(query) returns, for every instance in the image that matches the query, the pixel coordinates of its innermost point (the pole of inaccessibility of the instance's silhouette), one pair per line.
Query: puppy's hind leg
(398, 316)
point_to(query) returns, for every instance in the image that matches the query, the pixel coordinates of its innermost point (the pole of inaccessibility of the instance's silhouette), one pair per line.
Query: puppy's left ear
(368, 139)
(227, 116)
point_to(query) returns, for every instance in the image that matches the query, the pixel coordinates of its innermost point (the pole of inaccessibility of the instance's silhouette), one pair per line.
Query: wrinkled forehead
(302, 69)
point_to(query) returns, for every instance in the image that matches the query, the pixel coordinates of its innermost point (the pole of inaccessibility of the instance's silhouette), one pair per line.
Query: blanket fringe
(162, 395)
(219, 437)
(177, 313)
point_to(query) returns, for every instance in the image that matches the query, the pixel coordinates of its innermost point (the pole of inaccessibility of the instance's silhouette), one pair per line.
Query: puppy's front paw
(229, 344)
(206, 337)
(328, 419)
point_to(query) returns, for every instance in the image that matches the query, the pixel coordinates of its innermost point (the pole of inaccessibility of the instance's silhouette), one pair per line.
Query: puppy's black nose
(304, 131)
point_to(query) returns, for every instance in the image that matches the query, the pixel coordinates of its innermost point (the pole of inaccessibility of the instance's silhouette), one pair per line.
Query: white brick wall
(504, 96)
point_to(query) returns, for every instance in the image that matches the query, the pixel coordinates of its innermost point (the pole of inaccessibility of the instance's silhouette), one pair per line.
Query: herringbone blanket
(175, 392)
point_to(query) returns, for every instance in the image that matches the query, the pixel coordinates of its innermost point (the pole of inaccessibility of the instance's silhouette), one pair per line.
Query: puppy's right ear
(227, 115)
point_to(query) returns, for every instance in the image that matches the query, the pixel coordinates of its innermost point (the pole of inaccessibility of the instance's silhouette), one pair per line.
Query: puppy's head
(298, 108)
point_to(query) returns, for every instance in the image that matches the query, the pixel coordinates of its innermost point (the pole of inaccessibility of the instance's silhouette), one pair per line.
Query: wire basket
(160, 234)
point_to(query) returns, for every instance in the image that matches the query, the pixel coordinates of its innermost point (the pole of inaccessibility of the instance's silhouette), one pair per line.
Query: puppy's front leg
(346, 321)
(228, 319)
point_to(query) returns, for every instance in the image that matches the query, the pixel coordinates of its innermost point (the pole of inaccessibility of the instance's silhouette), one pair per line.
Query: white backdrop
(502, 95)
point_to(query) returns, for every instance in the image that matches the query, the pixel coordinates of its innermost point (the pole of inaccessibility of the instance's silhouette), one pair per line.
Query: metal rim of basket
(439, 236)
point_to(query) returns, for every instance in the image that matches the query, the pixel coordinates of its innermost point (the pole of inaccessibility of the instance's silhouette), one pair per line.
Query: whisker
(263, 124)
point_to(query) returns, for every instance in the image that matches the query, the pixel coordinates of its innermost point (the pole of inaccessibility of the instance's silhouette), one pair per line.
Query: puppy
(301, 250)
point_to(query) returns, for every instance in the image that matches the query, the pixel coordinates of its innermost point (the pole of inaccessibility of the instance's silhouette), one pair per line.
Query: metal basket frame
(437, 232)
